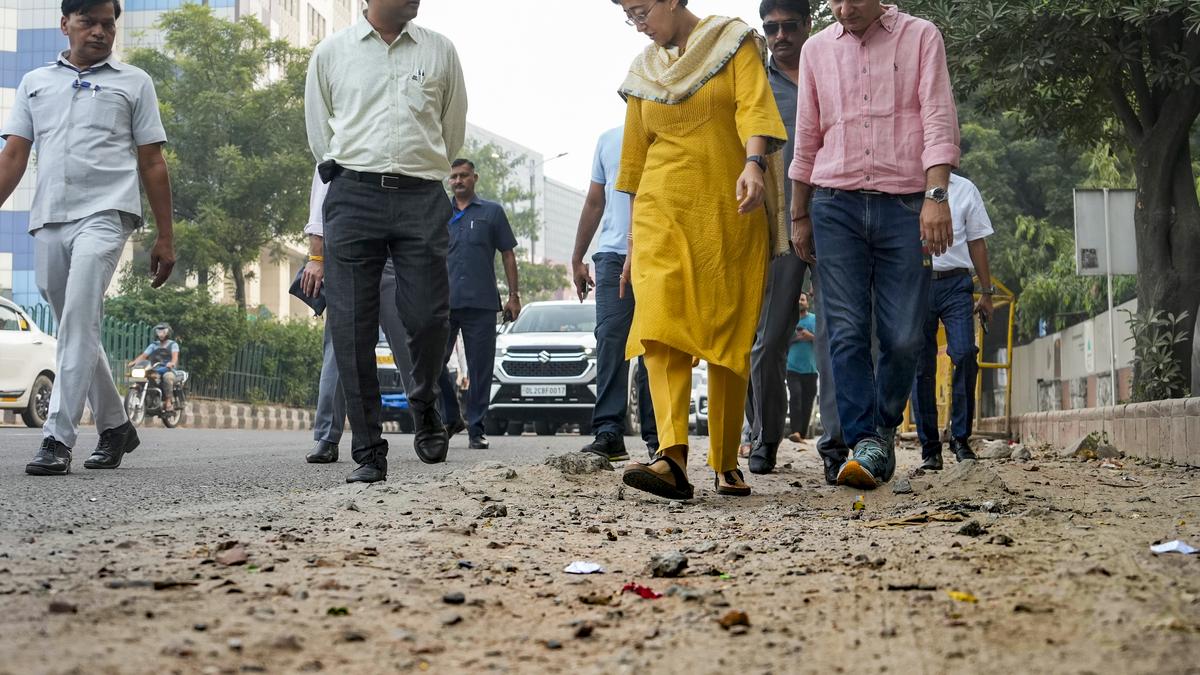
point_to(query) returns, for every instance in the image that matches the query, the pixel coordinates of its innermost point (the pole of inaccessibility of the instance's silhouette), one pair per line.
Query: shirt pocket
(423, 95)
(45, 116)
(479, 232)
(106, 111)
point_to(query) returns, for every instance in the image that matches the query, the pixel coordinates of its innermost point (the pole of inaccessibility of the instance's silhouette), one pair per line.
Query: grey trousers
(74, 264)
(830, 443)
(365, 225)
(331, 400)
(766, 406)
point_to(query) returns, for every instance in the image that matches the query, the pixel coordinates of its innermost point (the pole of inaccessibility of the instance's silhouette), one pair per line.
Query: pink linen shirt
(875, 113)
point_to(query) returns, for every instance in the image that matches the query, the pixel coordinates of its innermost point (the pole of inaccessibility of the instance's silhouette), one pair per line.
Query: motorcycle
(145, 396)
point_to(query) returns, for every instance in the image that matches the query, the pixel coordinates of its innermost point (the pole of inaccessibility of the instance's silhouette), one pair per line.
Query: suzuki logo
(544, 357)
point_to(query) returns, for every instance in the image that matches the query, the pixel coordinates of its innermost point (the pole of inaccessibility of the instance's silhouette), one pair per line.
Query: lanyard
(458, 216)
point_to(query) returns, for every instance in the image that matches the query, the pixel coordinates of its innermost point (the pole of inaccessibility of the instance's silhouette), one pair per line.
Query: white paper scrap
(583, 567)
(1176, 546)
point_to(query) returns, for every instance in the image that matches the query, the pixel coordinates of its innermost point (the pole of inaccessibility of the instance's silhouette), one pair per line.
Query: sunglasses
(773, 27)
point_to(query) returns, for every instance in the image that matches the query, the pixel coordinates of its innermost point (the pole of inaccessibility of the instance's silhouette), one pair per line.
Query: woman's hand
(751, 188)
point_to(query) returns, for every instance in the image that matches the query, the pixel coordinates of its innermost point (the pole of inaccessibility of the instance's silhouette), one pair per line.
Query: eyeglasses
(640, 19)
(774, 27)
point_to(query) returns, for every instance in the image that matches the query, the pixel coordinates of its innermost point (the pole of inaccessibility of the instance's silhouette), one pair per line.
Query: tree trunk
(1167, 222)
(239, 287)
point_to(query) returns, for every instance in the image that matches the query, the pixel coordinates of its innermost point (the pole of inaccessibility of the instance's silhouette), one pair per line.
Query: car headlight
(501, 351)
(138, 372)
(589, 351)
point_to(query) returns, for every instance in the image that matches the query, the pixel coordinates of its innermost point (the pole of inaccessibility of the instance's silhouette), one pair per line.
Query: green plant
(1155, 335)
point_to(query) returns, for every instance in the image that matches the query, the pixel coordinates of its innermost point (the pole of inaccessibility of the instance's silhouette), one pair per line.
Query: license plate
(543, 390)
(385, 360)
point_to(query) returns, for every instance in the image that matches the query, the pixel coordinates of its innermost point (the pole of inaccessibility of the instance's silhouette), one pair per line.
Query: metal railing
(250, 376)
(122, 340)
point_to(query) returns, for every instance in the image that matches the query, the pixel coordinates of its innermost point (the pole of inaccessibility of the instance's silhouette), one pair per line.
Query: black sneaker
(608, 445)
(52, 459)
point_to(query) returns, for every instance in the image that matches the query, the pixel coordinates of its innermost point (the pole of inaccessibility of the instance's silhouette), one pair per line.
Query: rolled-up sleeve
(316, 210)
(808, 123)
(454, 110)
(318, 108)
(938, 112)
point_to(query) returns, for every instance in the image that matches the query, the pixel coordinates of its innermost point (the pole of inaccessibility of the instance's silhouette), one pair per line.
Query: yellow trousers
(670, 374)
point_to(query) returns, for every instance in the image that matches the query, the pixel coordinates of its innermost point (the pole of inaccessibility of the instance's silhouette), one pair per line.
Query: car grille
(576, 393)
(551, 369)
(389, 379)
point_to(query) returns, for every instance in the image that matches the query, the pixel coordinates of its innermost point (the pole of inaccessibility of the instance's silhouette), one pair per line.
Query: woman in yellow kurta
(700, 124)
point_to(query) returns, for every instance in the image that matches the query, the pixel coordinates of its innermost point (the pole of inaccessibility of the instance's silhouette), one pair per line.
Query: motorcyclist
(163, 356)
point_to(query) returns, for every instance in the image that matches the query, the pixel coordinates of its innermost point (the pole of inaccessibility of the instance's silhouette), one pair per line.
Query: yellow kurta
(699, 267)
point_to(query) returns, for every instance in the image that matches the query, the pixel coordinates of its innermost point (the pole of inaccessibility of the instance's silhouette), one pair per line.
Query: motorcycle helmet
(163, 326)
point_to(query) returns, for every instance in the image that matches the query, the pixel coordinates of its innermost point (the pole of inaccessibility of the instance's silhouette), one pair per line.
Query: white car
(26, 365)
(699, 406)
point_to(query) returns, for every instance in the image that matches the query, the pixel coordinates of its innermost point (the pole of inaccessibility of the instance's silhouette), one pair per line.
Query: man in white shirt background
(952, 303)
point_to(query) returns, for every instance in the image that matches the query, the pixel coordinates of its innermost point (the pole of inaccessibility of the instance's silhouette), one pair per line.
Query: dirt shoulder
(1058, 577)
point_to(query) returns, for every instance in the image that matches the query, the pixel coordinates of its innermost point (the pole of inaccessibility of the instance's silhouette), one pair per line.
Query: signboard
(1094, 247)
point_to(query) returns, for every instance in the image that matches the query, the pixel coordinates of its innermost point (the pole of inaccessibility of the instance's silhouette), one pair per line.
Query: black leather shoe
(323, 453)
(932, 462)
(114, 444)
(459, 426)
(368, 473)
(52, 459)
(762, 457)
(609, 445)
(962, 451)
(431, 441)
(832, 466)
(479, 443)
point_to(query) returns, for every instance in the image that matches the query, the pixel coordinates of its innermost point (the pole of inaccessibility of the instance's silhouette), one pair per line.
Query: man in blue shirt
(802, 372)
(607, 209)
(478, 229)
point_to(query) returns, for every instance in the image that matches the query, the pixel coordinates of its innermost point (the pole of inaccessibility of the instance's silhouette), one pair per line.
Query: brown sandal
(639, 476)
(731, 490)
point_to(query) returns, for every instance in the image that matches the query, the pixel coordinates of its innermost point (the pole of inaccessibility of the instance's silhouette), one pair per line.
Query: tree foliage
(1125, 72)
(232, 104)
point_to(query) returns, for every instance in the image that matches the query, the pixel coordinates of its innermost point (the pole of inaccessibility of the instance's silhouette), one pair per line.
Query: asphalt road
(188, 469)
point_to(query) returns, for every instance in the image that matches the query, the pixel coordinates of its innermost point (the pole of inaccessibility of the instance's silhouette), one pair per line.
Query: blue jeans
(614, 316)
(872, 268)
(952, 303)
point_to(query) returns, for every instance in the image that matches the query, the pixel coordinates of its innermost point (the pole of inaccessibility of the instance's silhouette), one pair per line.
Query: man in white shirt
(952, 302)
(385, 106)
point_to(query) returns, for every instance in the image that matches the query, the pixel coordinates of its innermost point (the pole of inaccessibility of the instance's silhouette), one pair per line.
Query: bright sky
(545, 73)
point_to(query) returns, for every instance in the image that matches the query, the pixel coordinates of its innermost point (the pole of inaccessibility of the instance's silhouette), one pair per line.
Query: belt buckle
(389, 182)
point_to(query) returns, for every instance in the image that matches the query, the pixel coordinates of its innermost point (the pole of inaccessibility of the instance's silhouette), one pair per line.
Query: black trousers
(802, 389)
(765, 405)
(365, 225)
(478, 327)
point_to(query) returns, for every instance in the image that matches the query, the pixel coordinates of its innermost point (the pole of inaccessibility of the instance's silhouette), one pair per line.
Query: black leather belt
(389, 181)
(948, 274)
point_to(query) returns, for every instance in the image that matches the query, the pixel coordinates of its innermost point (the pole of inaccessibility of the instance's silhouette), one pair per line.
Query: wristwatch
(759, 160)
(990, 290)
(937, 194)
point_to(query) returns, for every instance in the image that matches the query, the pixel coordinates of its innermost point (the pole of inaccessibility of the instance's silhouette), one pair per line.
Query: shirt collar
(776, 70)
(364, 28)
(109, 61)
(475, 201)
(891, 13)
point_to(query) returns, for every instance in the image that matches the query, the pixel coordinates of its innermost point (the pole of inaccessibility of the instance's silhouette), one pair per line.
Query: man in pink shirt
(876, 137)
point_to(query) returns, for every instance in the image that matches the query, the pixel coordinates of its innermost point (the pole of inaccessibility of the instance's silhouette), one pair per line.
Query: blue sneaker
(866, 467)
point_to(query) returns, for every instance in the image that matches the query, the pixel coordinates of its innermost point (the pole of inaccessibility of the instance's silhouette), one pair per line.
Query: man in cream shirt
(386, 105)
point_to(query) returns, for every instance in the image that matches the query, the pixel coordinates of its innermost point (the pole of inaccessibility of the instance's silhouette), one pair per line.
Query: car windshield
(556, 319)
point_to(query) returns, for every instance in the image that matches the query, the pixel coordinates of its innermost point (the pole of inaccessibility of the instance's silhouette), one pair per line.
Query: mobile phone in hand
(983, 323)
(508, 317)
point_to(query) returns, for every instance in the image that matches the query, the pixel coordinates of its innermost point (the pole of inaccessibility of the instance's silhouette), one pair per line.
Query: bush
(293, 354)
(208, 333)
(1155, 335)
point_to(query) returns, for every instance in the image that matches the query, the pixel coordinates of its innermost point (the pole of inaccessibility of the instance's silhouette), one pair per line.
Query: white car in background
(26, 365)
